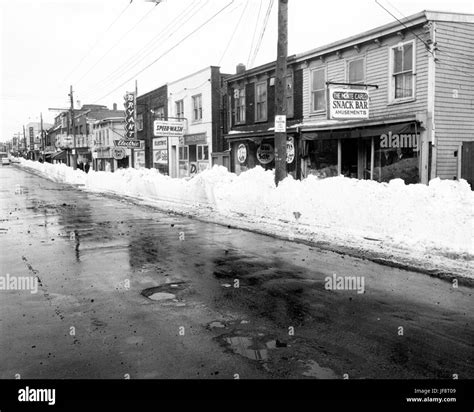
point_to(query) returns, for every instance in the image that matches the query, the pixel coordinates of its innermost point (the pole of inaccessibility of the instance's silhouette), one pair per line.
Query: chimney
(114, 106)
(240, 68)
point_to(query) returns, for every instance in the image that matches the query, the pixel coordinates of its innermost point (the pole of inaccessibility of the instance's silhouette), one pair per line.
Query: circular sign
(290, 150)
(118, 153)
(242, 153)
(265, 153)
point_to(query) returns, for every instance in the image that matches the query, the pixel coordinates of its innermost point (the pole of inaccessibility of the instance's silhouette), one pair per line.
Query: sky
(100, 47)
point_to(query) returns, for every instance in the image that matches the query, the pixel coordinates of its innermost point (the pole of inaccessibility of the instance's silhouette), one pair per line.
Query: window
(203, 152)
(318, 90)
(356, 71)
(180, 109)
(289, 95)
(159, 112)
(197, 107)
(402, 76)
(239, 96)
(261, 102)
(139, 121)
(183, 153)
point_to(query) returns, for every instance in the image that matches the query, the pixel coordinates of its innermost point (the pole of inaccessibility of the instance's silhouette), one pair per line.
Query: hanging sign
(129, 115)
(127, 143)
(348, 104)
(265, 153)
(118, 153)
(242, 153)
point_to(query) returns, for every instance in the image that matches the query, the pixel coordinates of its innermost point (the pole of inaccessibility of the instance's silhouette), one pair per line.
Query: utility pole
(42, 134)
(24, 141)
(132, 152)
(280, 91)
(73, 126)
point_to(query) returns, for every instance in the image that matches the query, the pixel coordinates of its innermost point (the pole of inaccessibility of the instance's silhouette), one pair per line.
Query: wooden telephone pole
(73, 127)
(280, 90)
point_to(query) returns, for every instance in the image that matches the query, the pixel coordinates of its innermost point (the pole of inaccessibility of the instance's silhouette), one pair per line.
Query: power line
(118, 42)
(265, 22)
(134, 60)
(233, 33)
(254, 32)
(97, 41)
(410, 30)
(168, 51)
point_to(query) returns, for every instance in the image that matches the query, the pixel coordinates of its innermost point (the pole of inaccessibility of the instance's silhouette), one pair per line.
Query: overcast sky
(100, 46)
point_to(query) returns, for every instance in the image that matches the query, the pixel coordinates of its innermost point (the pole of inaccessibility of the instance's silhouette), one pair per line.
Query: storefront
(160, 155)
(381, 151)
(251, 150)
(193, 154)
(110, 159)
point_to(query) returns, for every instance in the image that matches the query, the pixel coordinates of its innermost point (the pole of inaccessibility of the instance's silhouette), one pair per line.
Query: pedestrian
(80, 166)
(87, 166)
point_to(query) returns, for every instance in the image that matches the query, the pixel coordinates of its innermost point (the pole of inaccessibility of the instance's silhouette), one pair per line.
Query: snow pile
(437, 217)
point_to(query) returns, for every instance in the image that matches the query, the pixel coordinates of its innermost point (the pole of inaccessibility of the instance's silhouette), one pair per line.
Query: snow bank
(437, 217)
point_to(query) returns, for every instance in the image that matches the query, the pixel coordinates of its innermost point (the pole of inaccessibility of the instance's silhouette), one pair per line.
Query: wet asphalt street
(129, 291)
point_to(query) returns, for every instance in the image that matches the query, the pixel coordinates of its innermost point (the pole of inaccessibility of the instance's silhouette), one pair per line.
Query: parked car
(5, 158)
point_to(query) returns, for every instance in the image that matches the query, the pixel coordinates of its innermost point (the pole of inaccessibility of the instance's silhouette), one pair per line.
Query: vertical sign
(129, 115)
(31, 131)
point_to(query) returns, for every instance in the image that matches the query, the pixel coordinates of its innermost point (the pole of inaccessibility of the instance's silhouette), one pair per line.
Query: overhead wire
(118, 42)
(233, 33)
(265, 22)
(254, 32)
(99, 38)
(146, 51)
(169, 50)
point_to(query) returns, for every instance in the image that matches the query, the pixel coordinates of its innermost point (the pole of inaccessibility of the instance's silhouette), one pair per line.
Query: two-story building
(251, 115)
(419, 122)
(105, 131)
(197, 101)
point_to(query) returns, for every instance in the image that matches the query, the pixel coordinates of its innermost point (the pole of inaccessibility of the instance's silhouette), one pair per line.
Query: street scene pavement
(123, 290)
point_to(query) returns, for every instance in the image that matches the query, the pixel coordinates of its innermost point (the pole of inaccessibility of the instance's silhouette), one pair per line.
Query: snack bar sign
(348, 104)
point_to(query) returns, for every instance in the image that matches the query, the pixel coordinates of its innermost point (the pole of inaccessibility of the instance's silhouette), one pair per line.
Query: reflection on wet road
(129, 290)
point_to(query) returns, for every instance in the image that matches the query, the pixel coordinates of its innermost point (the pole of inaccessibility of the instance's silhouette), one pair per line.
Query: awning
(257, 134)
(354, 130)
(59, 155)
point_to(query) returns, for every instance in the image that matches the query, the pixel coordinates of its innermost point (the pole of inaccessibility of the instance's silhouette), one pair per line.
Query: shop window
(289, 95)
(356, 71)
(261, 102)
(140, 122)
(183, 153)
(321, 158)
(180, 109)
(318, 90)
(239, 96)
(402, 73)
(197, 107)
(203, 152)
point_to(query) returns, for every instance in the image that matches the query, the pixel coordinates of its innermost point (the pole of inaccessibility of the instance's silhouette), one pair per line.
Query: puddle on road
(251, 348)
(167, 291)
(314, 370)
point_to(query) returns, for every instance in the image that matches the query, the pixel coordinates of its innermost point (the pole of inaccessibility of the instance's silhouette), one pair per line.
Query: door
(467, 162)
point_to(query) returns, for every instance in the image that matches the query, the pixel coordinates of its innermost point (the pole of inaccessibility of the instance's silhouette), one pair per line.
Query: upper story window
(402, 71)
(261, 101)
(180, 109)
(139, 122)
(289, 95)
(239, 96)
(159, 112)
(356, 71)
(197, 107)
(318, 90)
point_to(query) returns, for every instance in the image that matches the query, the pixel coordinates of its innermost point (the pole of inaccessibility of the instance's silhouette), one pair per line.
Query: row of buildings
(416, 82)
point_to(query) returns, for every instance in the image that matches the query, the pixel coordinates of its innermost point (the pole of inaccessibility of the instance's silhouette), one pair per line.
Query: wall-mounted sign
(242, 153)
(160, 143)
(197, 138)
(160, 156)
(167, 128)
(265, 153)
(127, 143)
(348, 104)
(290, 150)
(280, 124)
(118, 153)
